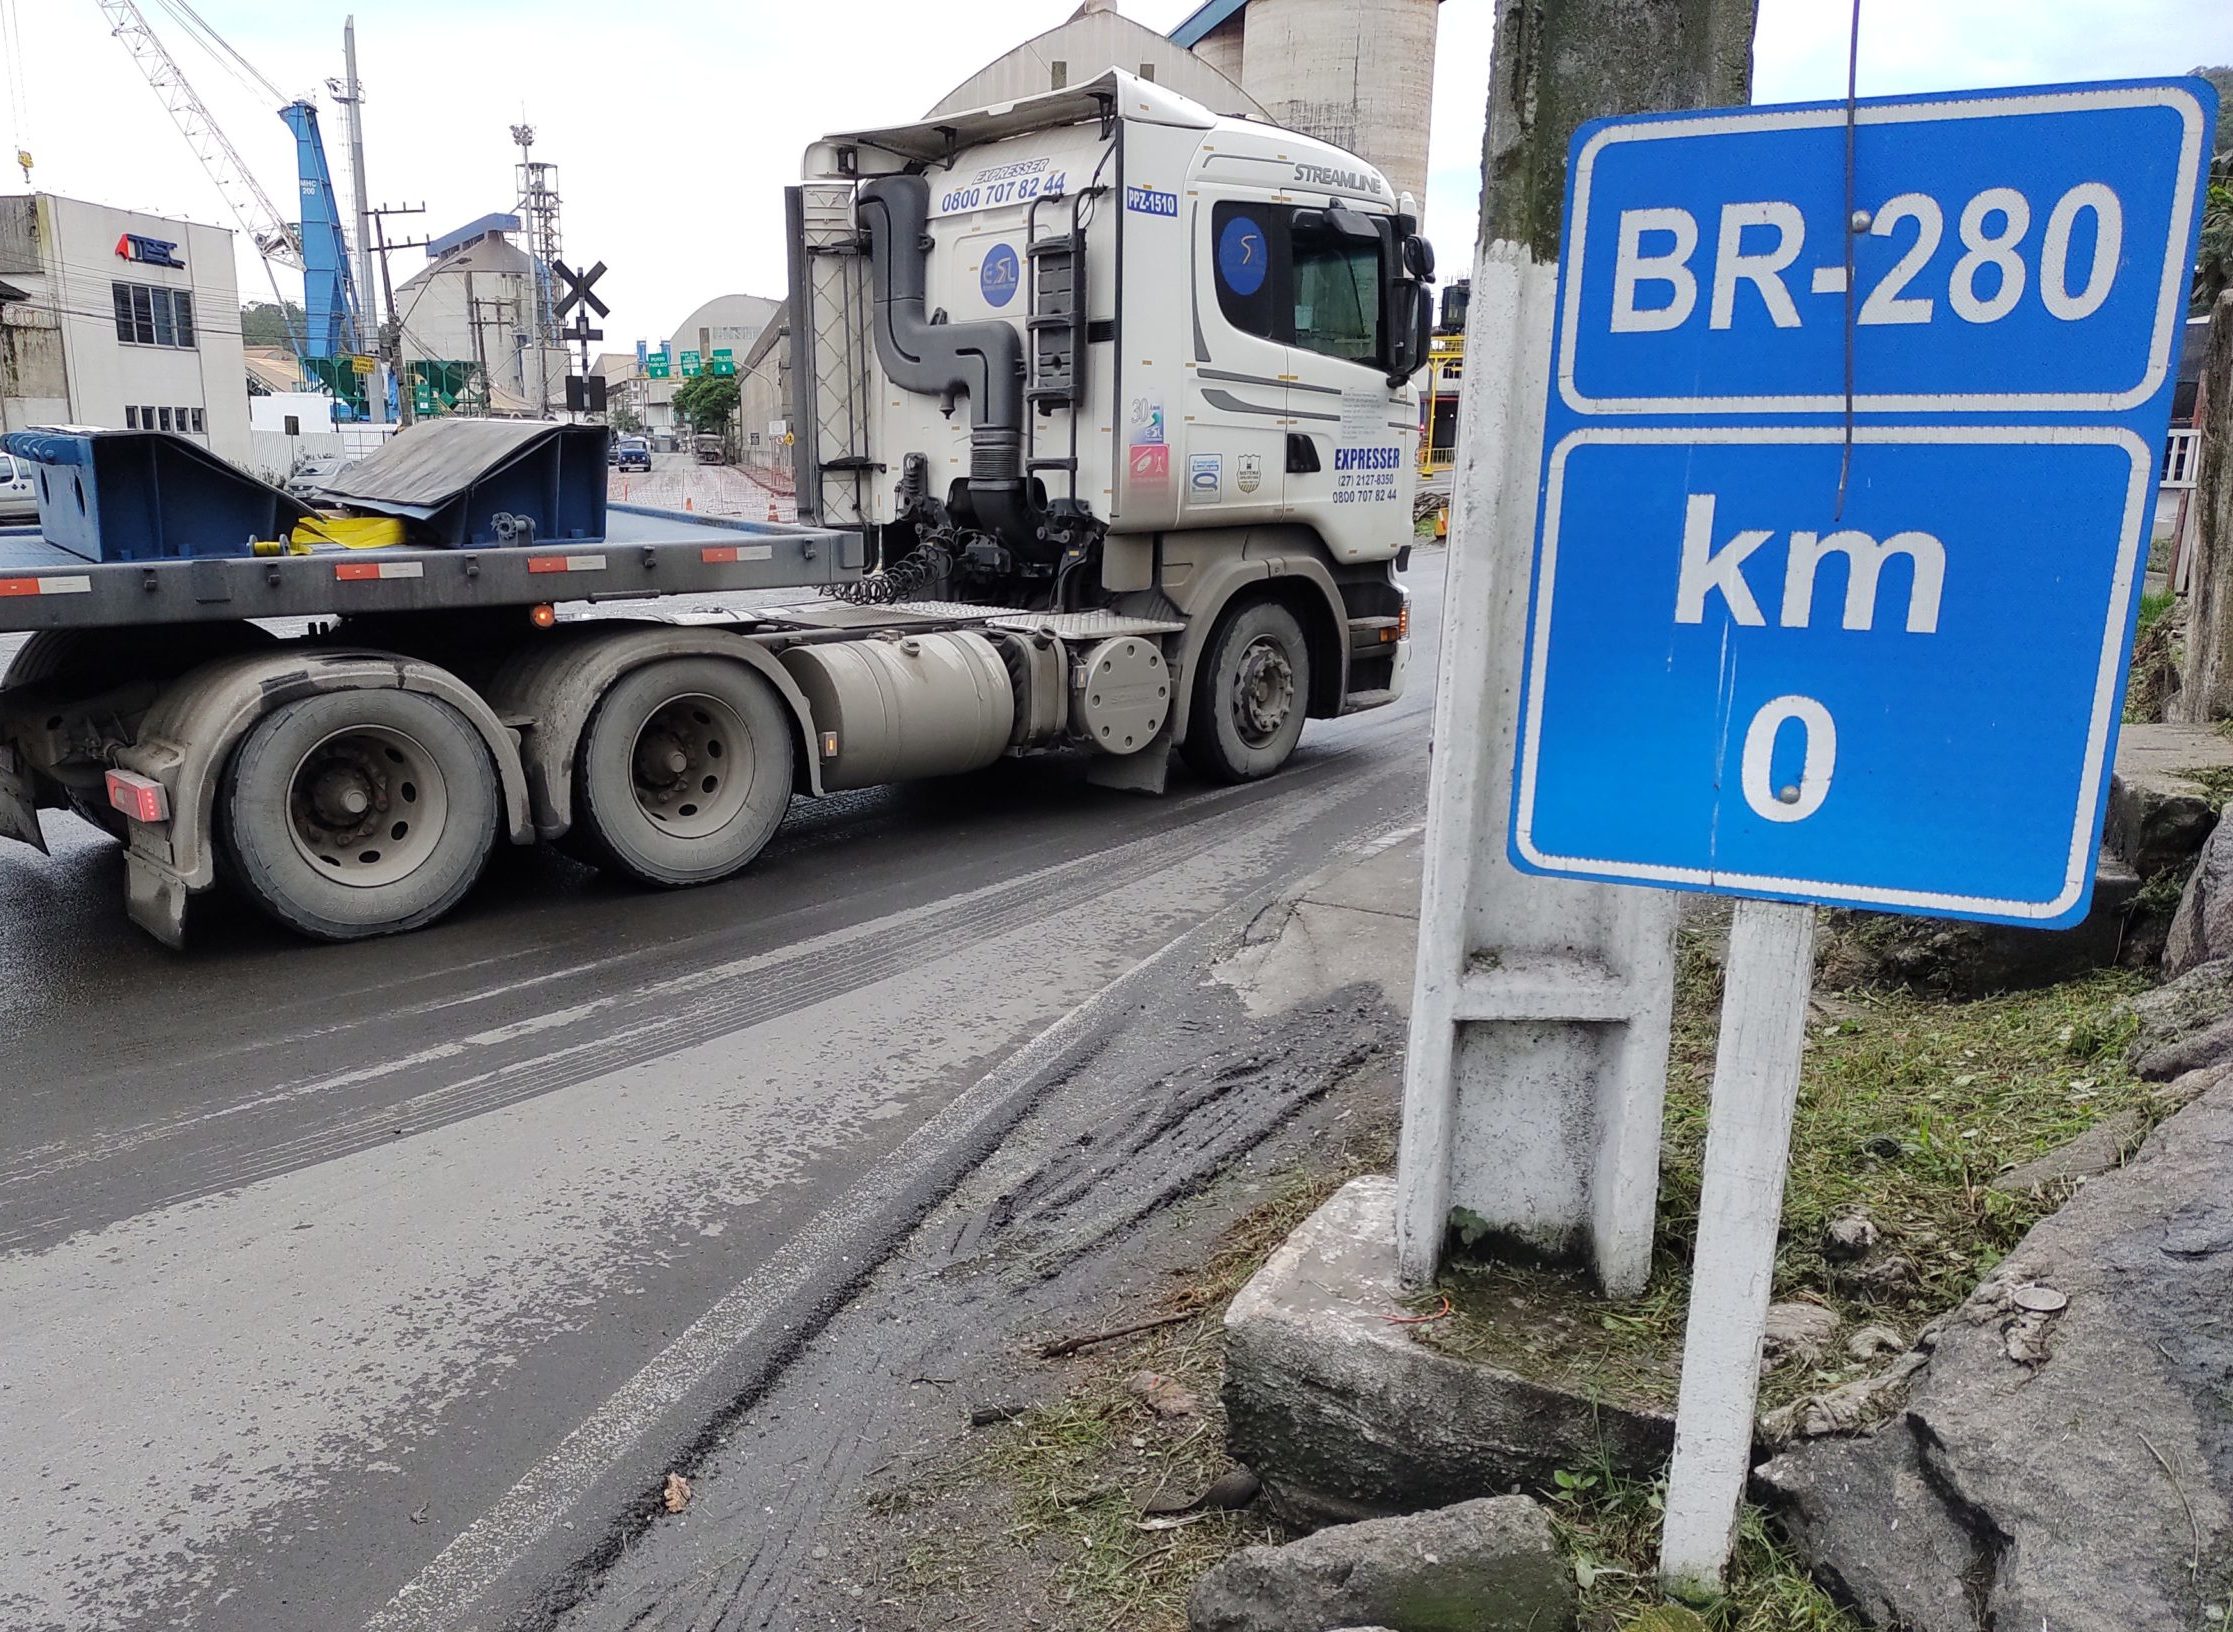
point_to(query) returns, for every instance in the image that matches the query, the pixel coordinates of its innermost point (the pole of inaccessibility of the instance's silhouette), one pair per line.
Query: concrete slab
(1344, 1416)
(1355, 922)
(2159, 811)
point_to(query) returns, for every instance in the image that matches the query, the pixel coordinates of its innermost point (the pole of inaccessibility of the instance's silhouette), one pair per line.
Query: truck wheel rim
(366, 805)
(691, 771)
(1263, 691)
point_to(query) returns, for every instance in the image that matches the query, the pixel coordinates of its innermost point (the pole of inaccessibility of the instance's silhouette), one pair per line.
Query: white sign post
(1748, 1146)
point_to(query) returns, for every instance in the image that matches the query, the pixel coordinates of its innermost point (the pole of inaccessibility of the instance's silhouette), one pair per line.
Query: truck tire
(1251, 694)
(358, 813)
(684, 772)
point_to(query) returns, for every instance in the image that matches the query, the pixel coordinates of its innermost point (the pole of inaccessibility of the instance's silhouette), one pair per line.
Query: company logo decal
(999, 275)
(148, 251)
(1243, 256)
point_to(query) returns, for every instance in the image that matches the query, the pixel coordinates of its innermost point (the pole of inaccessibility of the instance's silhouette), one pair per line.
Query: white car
(19, 493)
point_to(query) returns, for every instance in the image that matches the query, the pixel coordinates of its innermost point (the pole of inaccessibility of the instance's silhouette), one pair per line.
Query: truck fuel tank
(895, 707)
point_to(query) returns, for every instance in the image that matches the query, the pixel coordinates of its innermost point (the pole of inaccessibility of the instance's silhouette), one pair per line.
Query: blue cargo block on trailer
(146, 496)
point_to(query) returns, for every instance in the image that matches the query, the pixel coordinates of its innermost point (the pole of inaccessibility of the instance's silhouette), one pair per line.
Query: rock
(2097, 1150)
(1345, 1416)
(1849, 1238)
(1849, 1407)
(1796, 1331)
(1163, 1395)
(2159, 814)
(1879, 1278)
(1482, 1566)
(1961, 958)
(2202, 928)
(2061, 1456)
(1873, 1343)
(2186, 1024)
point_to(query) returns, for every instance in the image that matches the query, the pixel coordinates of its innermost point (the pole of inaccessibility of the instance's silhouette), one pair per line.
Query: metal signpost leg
(1748, 1144)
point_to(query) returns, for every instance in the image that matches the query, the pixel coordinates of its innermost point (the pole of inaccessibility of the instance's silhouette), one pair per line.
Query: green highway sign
(692, 365)
(657, 365)
(724, 361)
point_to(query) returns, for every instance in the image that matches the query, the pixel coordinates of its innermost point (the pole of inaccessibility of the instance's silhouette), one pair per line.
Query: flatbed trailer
(646, 553)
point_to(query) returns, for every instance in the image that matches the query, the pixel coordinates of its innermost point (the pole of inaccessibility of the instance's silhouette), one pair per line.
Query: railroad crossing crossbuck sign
(1908, 700)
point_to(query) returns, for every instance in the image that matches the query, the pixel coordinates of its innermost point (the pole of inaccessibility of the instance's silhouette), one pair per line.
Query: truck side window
(1243, 237)
(1337, 295)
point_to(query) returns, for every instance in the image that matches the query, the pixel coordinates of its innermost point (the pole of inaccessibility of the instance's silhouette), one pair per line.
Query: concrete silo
(1357, 73)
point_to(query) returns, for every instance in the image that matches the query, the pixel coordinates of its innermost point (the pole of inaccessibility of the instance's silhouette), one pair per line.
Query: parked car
(19, 494)
(311, 476)
(632, 453)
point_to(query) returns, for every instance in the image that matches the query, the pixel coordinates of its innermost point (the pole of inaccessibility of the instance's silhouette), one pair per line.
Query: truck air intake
(985, 360)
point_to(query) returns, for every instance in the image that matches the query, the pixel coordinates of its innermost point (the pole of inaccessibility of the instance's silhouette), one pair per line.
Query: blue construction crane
(333, 329)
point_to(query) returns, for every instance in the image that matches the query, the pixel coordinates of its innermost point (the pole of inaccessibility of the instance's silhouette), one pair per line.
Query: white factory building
(474, 303)
(120, 319)
(1356, 73)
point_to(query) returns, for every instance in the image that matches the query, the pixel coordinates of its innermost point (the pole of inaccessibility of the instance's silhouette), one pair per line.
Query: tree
(2213, 260)
(264, 324)
(706, 402)
(622, 419)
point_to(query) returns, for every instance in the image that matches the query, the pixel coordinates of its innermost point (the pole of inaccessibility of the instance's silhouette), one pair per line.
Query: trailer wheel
(684, 772)
(1251, 694)
(359, 813)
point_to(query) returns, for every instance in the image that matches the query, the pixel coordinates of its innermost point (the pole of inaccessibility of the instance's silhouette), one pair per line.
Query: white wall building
(476, 304)
(120, 319)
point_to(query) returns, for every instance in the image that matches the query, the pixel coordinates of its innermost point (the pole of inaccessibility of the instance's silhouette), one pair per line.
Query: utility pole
(392, 335)
(352, 98)
(1537, 1065)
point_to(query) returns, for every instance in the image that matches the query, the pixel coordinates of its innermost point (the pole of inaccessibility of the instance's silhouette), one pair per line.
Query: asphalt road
(364, 1285)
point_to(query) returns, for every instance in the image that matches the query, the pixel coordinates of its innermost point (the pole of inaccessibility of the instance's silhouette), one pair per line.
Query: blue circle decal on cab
(999, 275)
(1243, 256)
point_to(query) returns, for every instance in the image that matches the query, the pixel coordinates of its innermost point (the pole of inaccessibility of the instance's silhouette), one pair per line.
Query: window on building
(166, 414)
(149, 316)
(147, 417)
(132, 417)
(1147, 72)
(199, 428)
(1058, 75)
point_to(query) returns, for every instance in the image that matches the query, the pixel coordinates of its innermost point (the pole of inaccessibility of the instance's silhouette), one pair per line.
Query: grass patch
(1908, 1105)
(2154, 674)
(1609, 1527)
(2216, 781)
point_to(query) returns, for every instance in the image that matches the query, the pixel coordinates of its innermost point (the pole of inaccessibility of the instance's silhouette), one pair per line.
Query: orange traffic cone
(689, 504)
(772, 516)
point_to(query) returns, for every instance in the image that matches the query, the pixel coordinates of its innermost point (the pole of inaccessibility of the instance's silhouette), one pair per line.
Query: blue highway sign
(1906, 698)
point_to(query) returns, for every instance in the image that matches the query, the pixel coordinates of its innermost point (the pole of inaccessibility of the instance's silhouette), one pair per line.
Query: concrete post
(1538, 1053)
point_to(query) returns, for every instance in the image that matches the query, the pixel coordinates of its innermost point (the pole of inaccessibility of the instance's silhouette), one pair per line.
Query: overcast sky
(676, 125)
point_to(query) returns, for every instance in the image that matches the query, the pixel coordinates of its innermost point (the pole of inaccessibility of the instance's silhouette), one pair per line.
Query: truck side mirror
(1418, 258)
(1410, 329)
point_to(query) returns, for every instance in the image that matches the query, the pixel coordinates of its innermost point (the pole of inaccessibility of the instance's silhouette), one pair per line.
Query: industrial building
(1096, 38)
(1356, 73)
(120, 319)
(469, 316)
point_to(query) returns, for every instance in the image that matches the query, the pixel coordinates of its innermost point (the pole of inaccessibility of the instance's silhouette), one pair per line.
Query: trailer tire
(358, 813)
(684, 772)
(1251, 694)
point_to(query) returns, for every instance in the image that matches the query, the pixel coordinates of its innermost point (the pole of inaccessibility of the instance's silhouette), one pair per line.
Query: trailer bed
(646, 552)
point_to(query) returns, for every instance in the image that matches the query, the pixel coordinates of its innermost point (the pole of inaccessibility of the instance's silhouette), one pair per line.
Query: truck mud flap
(19, 813)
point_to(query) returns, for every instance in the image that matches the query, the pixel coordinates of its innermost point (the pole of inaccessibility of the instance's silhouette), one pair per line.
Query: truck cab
(1103, 349)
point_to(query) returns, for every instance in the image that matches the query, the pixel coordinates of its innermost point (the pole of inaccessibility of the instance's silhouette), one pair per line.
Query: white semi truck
(1106, 421)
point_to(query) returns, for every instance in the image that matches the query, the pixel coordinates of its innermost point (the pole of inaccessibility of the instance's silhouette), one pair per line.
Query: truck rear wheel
(685, 771)
(359, 813)
(1251, 693)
